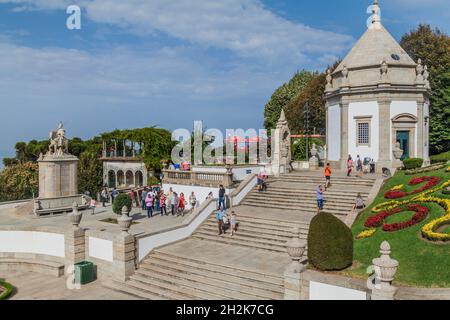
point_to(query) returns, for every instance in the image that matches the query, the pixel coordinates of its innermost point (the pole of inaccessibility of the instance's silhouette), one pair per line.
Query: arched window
(111, 179)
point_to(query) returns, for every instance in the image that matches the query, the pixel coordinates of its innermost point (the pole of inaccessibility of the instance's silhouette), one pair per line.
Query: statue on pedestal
(398, 153)
(59, 144)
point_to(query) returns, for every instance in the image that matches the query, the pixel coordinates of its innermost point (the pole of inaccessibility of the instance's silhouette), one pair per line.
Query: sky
(166, 63)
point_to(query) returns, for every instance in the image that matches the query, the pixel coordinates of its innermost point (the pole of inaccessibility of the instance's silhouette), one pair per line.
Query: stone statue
(59, 144)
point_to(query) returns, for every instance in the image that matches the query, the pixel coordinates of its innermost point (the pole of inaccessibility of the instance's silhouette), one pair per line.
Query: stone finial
(125, 221)
(345, 73)
(384, 72)
(385, 268)
(419, 72)
(75, 216)
(376, 17)
(426, 75)
(282, 120)
(295, 249)
(329, 86)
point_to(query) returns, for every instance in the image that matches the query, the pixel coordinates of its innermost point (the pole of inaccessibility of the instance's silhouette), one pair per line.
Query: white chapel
(377, 100)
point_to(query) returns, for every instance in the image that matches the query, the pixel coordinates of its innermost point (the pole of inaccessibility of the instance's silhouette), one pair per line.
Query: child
(233, 223)
(319, 199)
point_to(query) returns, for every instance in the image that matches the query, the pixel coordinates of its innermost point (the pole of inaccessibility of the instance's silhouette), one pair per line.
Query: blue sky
(139, 63)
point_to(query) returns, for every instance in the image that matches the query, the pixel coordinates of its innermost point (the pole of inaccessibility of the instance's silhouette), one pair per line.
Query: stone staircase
(164, 276)
(297, 192)
(249, 265)
(254, 232)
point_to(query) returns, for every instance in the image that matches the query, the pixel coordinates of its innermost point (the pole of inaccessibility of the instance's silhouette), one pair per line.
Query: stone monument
(58, 173)
(281, 160)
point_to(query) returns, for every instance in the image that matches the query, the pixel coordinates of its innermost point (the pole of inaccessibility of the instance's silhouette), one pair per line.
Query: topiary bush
(413, 163)
(8, 289)
(330, 243)
(122, 200)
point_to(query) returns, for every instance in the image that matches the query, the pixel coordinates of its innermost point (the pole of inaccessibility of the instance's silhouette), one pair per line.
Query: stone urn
(124, 221)
(314, 150)
(75, 216)
(385, 266)
(295, 249)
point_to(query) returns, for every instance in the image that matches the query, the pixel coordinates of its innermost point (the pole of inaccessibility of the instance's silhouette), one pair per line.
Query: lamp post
(306, 113)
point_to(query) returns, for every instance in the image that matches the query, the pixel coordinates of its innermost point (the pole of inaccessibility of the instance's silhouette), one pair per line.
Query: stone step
(279, 222)
(297, 191)
(178, 288)
(123, 287)
(343, 212)
(157, 288)
(265, 225)
(251, 275)
(322, 176)
(258, 229)
(208, 290)
(239, 241)
(252, 235)
(296, 200)
(309, 182)
(224, 280)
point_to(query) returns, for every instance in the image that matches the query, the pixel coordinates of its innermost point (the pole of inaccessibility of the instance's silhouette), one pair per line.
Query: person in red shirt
(327, 176)
(181, 205)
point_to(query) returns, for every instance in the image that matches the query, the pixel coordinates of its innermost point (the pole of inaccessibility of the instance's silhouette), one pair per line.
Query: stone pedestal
(75, 246)
(124, 256)
(58, 176)
(292, 286)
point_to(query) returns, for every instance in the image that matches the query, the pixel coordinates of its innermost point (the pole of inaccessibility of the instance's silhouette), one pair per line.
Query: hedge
(330, 243)
(122, 200)
(441, 158)
(8, 290)
(413, 163)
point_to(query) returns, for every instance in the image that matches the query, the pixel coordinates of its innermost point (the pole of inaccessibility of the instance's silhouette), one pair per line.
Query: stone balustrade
(206, 179)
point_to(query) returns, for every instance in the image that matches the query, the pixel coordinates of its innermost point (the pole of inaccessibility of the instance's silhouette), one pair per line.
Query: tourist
(226, 222)
(219, 218)
(149, 204)
(327, 176)
(157, 195)
(319, 199)
(359, 203)
(349, 165)
(114, 194)
(181, 205)
(260, 181)
(193, 200)
(132, 197)
(143, 197)
(264, 181)
(170, 200)
(359, 165)
(175, 201)
(372, 166)
(222, 192)
(233, 223)
(104, 196)
(162, 203)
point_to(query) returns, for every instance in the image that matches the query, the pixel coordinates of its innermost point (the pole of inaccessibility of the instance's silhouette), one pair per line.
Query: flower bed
(426, 169)
(378, 220)
(429, 231)
(5, 290)
(395, 193)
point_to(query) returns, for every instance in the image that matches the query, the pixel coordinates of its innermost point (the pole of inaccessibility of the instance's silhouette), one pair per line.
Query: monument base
(50, 206)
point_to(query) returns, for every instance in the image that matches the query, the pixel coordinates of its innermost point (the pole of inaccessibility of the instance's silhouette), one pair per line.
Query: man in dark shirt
(222, 197)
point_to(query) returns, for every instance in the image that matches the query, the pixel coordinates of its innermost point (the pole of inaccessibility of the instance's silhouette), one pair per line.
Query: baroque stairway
(249, 265)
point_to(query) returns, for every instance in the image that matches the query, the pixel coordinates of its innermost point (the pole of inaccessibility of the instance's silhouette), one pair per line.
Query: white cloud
(245, 27)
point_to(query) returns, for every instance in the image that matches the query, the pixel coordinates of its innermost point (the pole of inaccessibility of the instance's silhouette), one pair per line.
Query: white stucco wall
(364, 109)
(45, 243)
(334, 133)
(101, 249)
(321, 291)
(200, 192)
(399, 107)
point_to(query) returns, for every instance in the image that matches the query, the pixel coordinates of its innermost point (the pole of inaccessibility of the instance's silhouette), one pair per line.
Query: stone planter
(124, 221)
(295, 249)
(385, 266)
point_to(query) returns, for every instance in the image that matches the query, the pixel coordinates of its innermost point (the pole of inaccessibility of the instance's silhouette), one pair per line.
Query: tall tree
(19, 181)
(433, 47)
(90, 173)
(284, 95)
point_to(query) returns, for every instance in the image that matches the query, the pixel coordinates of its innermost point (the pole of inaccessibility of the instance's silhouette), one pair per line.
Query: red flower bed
(397, 194)
(421, 213)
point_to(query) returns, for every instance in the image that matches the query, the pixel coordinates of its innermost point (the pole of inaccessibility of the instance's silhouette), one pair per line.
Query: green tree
(90, 173)
(19, 181)
(284, 95)
(433, 47)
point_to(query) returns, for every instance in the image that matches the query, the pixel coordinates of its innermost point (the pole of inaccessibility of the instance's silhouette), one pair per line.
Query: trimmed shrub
(441, 158)
(330, 243)
(413, 163)
(152, 181)
(122, 200)
(8, 290)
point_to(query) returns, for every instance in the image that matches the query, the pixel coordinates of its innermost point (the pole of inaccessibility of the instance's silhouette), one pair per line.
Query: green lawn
(422, 263)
